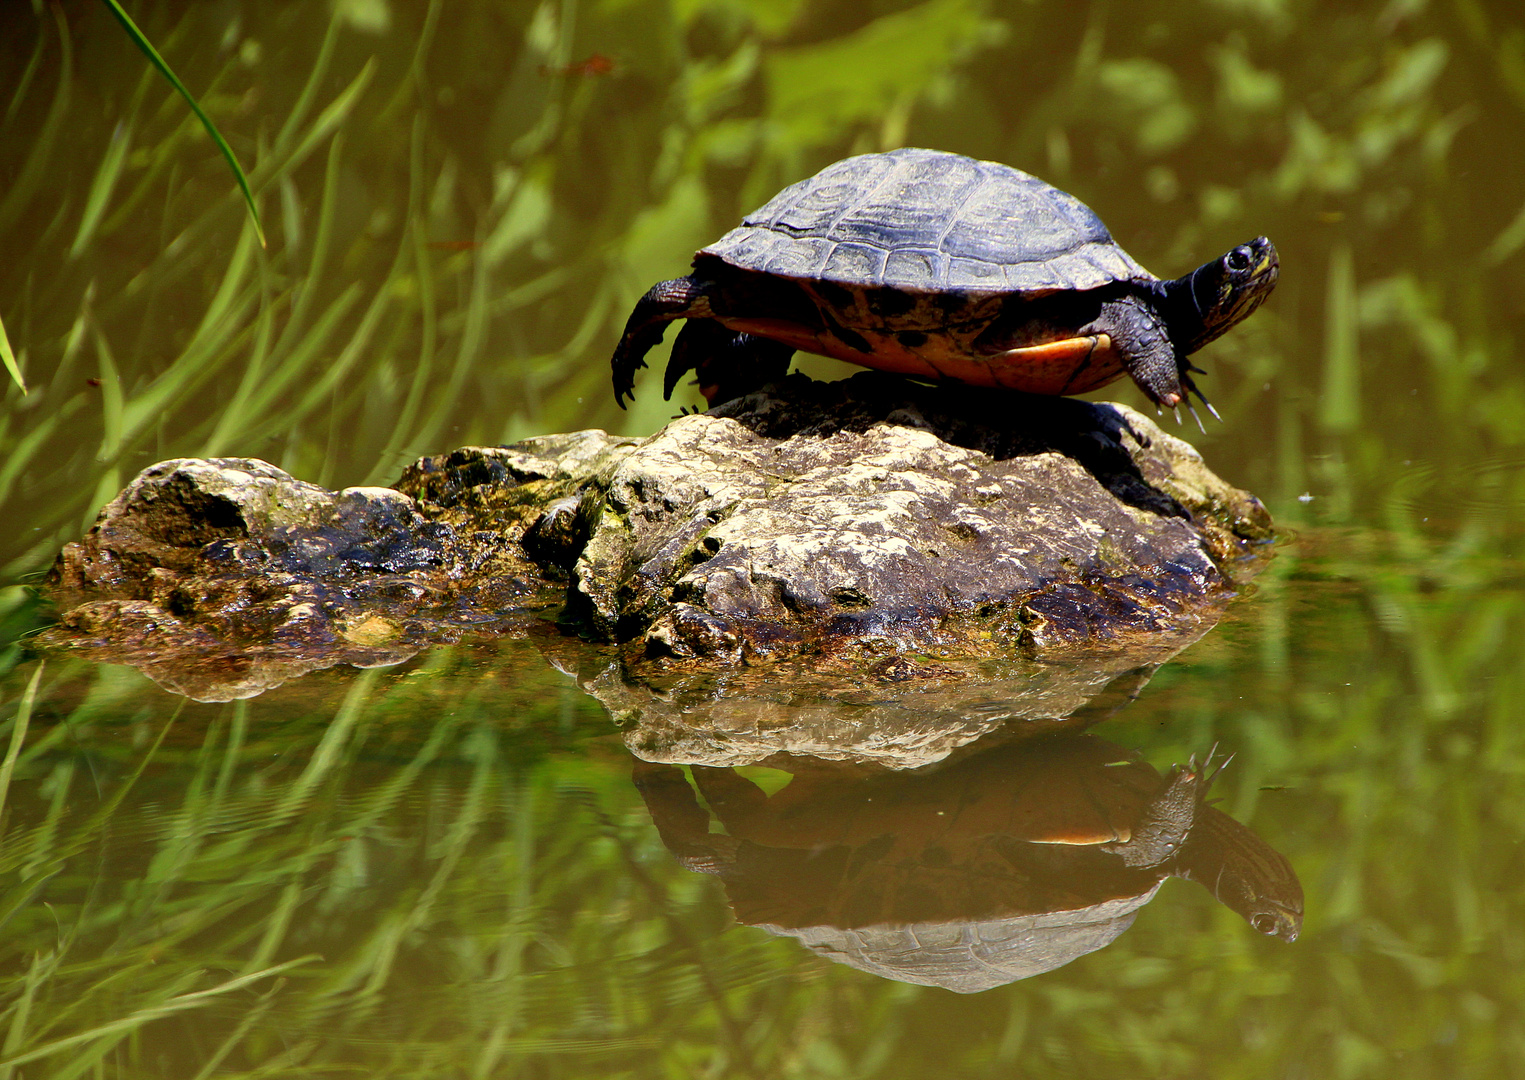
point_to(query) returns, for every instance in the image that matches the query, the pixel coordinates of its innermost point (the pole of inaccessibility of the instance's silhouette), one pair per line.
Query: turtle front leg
(681, 822)
(1139, 337)
(1169, 817)
(728, 363)
(681, 298)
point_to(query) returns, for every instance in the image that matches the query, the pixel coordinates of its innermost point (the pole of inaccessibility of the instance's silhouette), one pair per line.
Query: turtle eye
(1238, 261)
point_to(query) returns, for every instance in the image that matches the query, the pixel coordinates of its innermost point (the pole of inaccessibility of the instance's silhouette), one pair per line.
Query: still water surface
(455, 866)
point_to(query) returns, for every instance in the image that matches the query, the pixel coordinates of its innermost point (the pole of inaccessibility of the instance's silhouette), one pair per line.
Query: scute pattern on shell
(929, 221)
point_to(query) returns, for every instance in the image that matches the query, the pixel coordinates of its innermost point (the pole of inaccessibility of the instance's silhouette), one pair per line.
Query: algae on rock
(850, 525)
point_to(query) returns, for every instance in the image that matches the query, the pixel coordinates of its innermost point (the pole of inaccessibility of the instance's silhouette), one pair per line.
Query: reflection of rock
(1003, 864)
(899, 715)
(846, 523)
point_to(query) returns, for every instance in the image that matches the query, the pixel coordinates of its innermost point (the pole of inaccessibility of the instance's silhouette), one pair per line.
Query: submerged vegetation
(442, 868)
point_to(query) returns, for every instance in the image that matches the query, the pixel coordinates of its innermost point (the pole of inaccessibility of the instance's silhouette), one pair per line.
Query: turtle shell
(969, 957)
(927, 221)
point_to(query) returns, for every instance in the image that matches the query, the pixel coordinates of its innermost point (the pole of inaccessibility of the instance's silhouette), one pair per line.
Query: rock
(223, 578)
(901, 713)
(875, 516)
(871, 527)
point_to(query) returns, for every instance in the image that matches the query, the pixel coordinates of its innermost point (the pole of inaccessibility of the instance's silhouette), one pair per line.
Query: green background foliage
(460, 217)
(449, 854)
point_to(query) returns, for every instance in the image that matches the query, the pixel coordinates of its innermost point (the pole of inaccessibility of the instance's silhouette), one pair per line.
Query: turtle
(942, 267)
(997, 866)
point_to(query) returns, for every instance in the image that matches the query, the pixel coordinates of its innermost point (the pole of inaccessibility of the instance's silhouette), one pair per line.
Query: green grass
(111, 167)
(443, 869)
(8, 357)
(456, 232)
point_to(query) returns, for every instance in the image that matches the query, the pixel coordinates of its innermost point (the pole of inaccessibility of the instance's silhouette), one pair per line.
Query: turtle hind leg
(681, 298)
(728, 363)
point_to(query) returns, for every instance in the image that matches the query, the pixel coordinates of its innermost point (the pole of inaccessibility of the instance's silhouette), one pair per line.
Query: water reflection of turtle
(943, 267)
(999, 866)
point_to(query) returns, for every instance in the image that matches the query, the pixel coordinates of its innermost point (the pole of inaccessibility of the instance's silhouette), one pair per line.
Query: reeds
(434, 277)
(209, 894)
(111, 166)
(442, 870)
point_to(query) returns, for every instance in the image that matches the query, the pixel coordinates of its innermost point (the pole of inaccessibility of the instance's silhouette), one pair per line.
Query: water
(445, 868)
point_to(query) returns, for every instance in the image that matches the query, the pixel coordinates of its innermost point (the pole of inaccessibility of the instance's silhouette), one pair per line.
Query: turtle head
(1244, 873)
(1272, 907)
(1216, 295)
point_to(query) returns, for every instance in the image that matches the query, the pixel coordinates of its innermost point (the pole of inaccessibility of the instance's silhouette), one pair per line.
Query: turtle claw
(1177, 410)
(1190, 387)
(681, 298)
(1208, 771)
(1192, 409)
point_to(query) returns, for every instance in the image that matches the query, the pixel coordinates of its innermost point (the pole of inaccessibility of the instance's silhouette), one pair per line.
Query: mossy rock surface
(867, 527)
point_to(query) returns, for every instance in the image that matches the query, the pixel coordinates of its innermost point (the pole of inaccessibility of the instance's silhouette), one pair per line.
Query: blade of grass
(254, 370)
(360, 337)
(42, 838)
(111, 398)
(20, 898)
(250, 1018)
(376, 961)
(18, 736)
(315, 77)
(320, 244)
(26, 78)
(295, 366)
(415, 86)
(101, 188)
(1509, 240)
(26, 182)
(43, 967)
(473, 338)
(9, 358)
(276, 926)
(282, 1064)
(332, 744)
(57, 855)
(424, 272)
(162, 159)
(222, 321)
(177, 1003)
(144, 44)
(328, 120)
(176, 254)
